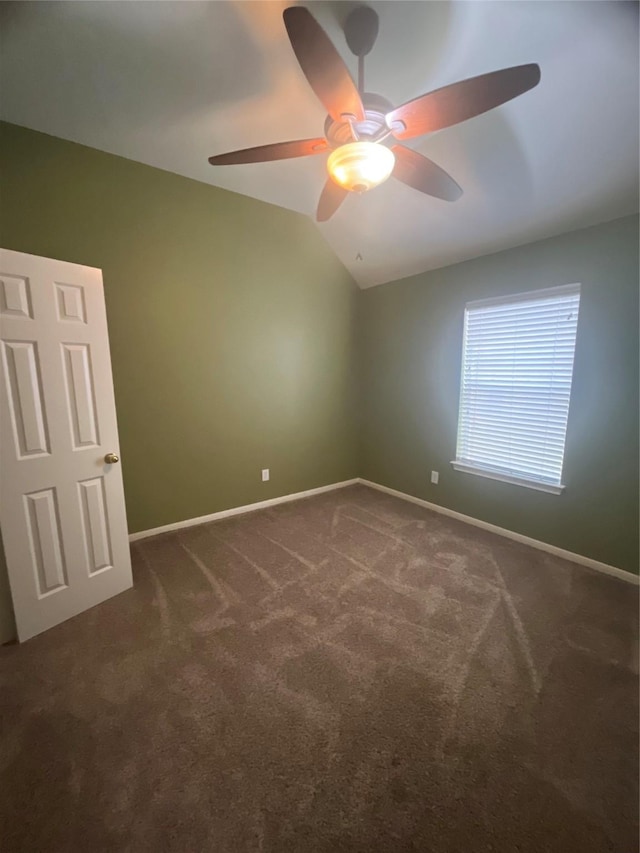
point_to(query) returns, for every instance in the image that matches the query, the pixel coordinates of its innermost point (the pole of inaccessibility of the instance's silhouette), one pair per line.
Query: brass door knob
(110, 458)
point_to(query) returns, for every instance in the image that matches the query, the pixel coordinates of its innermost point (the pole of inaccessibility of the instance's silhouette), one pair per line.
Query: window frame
(488, 472)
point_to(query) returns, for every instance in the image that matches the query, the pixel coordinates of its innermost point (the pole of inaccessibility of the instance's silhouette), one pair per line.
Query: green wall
(230, 324)
(410, 353)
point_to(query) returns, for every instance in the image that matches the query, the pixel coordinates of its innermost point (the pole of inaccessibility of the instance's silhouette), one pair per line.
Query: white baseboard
(239, 510)
(476, 522)
(510, 534)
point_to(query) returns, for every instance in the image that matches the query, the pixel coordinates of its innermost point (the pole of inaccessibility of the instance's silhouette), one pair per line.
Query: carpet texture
(345, 673)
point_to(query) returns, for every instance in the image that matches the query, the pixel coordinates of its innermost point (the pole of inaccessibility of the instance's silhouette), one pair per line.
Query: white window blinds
(517, 364)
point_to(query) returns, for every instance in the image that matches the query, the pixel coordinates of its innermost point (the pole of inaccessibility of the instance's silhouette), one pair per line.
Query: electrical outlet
(265, 475)
(435, 476)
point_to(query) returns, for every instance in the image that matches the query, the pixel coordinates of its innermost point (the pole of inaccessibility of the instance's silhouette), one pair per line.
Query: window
(517, 364)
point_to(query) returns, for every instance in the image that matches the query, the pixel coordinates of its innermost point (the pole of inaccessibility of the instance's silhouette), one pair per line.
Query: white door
(62, 509)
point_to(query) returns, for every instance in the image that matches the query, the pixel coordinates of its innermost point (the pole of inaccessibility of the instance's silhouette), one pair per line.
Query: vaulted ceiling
(170, 83)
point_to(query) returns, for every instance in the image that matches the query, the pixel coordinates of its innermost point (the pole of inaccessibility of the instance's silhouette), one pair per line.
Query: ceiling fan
(362, 129)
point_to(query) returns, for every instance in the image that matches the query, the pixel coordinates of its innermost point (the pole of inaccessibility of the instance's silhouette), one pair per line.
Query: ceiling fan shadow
(487, 157)
(422, 30)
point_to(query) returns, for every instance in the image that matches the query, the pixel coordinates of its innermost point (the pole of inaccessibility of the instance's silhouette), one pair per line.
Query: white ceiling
(171, 83)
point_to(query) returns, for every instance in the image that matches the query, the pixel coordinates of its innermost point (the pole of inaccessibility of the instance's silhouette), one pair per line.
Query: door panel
(21, 365)
(96, 525)
(45, 541)
(70, 303)
(80, 395)
(61, 507)
(15, 297)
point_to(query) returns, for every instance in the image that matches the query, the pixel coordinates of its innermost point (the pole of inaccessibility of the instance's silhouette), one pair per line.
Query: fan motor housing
(374, 125)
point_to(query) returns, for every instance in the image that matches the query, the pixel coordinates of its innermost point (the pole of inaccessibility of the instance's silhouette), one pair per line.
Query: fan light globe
(359, 166)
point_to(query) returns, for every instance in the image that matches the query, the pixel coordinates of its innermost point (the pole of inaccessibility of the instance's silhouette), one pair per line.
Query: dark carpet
(344, 673)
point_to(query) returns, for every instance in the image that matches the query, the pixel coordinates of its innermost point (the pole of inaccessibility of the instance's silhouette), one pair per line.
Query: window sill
(505, 478)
